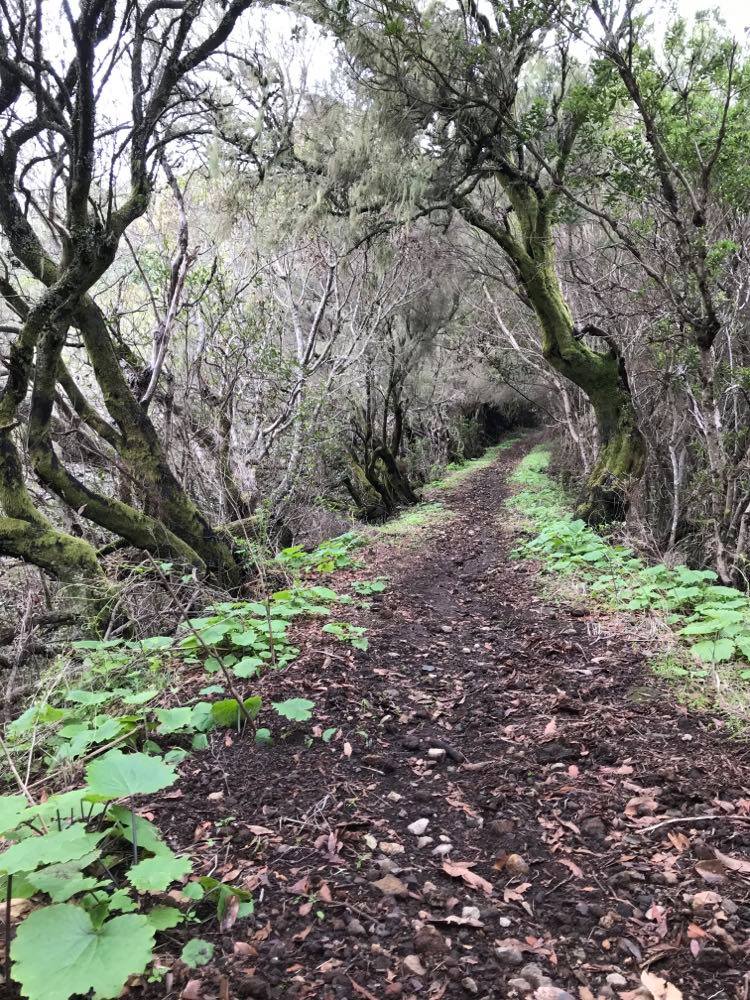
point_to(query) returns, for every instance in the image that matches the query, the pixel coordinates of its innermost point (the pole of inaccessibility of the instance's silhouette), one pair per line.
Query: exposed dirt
(540, 752)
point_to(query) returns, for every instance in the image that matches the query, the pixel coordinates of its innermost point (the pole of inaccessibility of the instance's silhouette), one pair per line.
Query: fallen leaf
(454, 919)
(262, 933)
(578, 872)
(551, 728)
(462, 869)
(347, 749)
(740, 865)
(18, 907)
(192, 990)
(391, 847)
(259, 831)
(325, 893)
(679, 841)
(515, 894)
(659, 988)
(707, 898)
(413, 965)
(330, 964)
(229, 918)
(641, 804)
(389, 885)
(694, 931)
(361, 991)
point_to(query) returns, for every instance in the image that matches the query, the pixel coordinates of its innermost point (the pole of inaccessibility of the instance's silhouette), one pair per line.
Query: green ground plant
(422, 516)
(457, 473)
(95, 870)
(710, 621)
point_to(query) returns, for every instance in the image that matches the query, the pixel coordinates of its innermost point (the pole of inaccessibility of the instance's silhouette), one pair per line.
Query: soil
(573, 808)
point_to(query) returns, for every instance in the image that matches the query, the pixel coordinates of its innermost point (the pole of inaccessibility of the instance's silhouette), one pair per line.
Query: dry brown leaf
(347, 749)
(641, 804)
(259, 831)
(679, 841)
(362, 991)
(694, 931)
(389, 885)
(325, 893)
(578, 872)
(18, 907)
(551, 728)
(330, 964)
(413, 965)
(462, 869)
(244, 949)
(585, 993)
(741, 865)
(192, 990)
(262, 933)
(707, 898)
(515, 894)
(659, 988)
(229, 918)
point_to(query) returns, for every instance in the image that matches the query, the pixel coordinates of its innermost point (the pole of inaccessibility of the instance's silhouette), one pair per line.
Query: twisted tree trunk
(621, 457)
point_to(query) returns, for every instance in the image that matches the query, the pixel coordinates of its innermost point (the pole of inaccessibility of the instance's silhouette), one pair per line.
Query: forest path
(533, 747)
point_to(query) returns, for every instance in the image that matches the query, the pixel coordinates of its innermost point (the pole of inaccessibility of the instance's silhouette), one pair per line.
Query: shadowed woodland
(294, 299)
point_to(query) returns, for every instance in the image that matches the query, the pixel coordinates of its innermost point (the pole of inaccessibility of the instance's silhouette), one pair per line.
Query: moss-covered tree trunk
(164, 497)
(528, 243)
(134, 526)
(27, 535)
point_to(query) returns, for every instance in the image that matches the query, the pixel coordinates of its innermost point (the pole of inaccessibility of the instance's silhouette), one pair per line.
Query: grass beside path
(703, 626)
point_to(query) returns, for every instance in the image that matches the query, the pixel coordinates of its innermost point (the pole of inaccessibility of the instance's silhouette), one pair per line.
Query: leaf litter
(519, 729)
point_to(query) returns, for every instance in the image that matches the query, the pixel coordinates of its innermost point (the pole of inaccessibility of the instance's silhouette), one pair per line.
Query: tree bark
(621, 458)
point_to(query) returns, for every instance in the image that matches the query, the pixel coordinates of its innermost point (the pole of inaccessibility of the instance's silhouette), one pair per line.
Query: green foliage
(713, 619)
(60, 952)
(294, 709)
(329, 556)
(422, 515)
(355, 635)
(117, 775)
(157, 873)
(367, 587)
(54, 857)
(197, 952)
(54, 847)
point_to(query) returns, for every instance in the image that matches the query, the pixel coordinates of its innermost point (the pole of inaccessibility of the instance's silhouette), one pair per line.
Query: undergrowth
(710, 622)
(112, 722)
(98, 881)
(421, 516)
(457, 473)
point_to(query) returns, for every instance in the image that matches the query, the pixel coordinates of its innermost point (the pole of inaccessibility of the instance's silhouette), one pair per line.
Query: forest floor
(512, 805)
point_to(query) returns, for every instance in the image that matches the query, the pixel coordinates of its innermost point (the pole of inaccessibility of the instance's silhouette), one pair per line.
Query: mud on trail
(502, 813)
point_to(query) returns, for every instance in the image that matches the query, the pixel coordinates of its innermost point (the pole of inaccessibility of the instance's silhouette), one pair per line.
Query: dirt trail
(531, 741)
